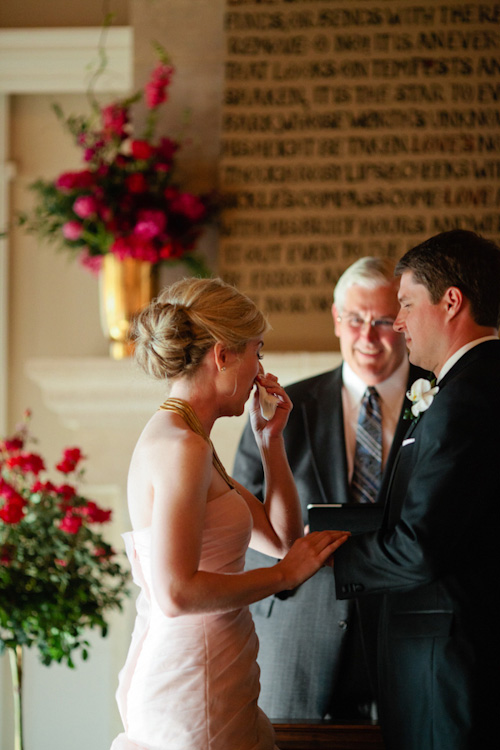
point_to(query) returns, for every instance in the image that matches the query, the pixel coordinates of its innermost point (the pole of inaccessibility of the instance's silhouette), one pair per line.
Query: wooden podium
(303, 735)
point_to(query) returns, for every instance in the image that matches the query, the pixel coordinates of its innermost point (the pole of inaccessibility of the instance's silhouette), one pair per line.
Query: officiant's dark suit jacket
(309, 640)
(436, 561)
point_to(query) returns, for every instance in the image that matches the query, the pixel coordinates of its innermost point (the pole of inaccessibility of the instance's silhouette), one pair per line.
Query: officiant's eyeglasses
(356, 322)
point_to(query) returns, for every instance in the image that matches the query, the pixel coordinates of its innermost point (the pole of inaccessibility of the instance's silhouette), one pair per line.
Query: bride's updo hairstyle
(173, 334)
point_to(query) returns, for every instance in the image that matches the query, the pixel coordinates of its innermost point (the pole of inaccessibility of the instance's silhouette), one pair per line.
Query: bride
(191, 680)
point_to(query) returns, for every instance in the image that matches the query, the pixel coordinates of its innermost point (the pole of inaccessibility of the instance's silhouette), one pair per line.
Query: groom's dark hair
(463, 259)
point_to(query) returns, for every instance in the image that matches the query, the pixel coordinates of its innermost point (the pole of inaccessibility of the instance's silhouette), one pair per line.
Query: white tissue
(268, 403)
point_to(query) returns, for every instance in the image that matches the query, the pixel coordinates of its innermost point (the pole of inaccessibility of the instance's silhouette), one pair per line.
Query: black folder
(354, 517)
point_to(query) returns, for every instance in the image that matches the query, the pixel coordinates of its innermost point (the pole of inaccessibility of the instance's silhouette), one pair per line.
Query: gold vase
(125, 287)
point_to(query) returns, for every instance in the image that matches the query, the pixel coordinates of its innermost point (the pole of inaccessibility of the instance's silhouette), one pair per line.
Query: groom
(436, 557)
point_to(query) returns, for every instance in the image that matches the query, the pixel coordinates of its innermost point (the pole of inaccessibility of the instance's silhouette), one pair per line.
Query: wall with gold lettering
(350, 128)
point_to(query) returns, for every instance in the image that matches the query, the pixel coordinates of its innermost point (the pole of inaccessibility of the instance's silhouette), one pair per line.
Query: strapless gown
(192, 682)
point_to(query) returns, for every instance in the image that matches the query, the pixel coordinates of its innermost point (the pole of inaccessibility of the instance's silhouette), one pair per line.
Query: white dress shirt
(392, 393)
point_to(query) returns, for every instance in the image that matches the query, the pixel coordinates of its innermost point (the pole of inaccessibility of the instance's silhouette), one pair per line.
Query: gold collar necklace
(188, 414)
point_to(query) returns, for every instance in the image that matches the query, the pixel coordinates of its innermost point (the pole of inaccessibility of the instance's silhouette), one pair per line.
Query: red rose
(93, 513)
(70, 523)
(66, 492)
(43, 487)
(7, 491)
(75, 180)
(167, 149)
(6, 555)
(136, 183)
(141, 150)
(12, 445)
(26, 462)
(70, 460)
(13, 511)
(171, 193)
(102, 553)
(171, 250)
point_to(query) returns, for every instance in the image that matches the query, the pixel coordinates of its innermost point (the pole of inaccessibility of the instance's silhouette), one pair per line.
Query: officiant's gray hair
(369, 272)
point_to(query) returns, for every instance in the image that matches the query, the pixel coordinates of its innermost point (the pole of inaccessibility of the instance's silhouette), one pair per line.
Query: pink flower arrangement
(58, 575)
(125, 200)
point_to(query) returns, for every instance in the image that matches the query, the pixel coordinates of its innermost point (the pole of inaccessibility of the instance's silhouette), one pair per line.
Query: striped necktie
(367, 470)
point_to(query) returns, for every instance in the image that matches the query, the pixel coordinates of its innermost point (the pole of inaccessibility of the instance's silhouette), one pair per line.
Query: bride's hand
(309, 553)
(276, 424)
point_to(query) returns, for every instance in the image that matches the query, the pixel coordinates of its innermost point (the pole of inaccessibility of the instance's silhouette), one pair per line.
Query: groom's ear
(453, 301)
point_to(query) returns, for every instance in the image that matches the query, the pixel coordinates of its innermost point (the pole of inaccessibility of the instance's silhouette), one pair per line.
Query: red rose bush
(58, 575)
(126, 199)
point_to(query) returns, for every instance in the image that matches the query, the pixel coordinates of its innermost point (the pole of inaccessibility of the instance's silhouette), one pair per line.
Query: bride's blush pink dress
(192, 682)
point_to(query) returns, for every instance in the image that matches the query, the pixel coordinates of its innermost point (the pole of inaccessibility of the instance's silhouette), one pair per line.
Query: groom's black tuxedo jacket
(436, 561)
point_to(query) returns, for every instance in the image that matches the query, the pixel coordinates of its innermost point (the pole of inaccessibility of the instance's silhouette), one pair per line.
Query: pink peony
(85, 206)
(156, 88)
(145, 251)
(189, 205)
(150, 224)
(114, 119)
(92, 263)
(122, 247)
(72, 230)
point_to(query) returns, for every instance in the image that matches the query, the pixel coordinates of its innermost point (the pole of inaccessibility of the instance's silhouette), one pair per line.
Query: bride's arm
(278, 520)
(182, 476)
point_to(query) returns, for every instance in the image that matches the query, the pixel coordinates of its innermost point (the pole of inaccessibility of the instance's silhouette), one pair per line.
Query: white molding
(5, 174)
(62, 60)
(99, 395)
(100, 392)
(43, 61)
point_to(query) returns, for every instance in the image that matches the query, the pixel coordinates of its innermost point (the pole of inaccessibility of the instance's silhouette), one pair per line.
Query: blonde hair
(173, 334)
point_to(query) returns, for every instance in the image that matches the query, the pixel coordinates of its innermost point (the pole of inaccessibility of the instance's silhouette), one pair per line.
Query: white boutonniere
(421, 395)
